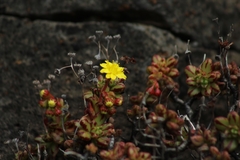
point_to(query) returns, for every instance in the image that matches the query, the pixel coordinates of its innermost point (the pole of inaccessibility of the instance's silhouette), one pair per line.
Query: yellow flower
(112, 70)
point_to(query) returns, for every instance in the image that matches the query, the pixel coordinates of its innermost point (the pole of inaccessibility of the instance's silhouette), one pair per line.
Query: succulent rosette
(95, 130)
(161, 66)
(172, 123)
(163, 71)
(230, 128)
(203, 139)
(126, 151)
(202, 80)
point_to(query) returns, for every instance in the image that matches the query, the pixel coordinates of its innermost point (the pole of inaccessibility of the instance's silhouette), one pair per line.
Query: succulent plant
(95, 130)
(126, 151)
(230, 128)
(202, 80)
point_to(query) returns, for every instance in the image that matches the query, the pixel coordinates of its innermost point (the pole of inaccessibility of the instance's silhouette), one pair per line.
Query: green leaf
(193, 91)
(230, 144)
(190, 70)
(221, 123)
(233, 118)
(206, 66)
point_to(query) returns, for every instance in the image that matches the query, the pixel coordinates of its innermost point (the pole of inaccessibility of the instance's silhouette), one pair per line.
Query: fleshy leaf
(215, 87)
(230, 144)
(206, 66)
(190, 81)
(193, 91)
(84, 135)
(103, 142)
(190, 70)
(171, 62)
(221, 123)
(173, 72)
(233, 118)
(197, 140)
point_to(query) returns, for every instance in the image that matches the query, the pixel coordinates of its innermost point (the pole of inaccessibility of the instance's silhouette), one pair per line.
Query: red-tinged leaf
(85, 123)
(173, 126)
(84, 135)
(233, 118)
(119, 148)
(133, 152)
(215, 75)
(171, 114)
(103, 142)
(152, 69)
(106, 154)
(214, 150)
(225, 155)
(39, 139)
(151, 99)
(99, 119)
(221, 123)
(43, 103)
(88, 94)
(57, 138)
(191, 81)
(171, 62)
(156, 76)
(207, 91)
(190, 70)
(157, 58)
(230, 144)
(144, 156)
(197, 140)
(107, 126)
(173, 72)
(119, 88)
(206, 66)
(203, 147)
(193, 91)
(215, 87)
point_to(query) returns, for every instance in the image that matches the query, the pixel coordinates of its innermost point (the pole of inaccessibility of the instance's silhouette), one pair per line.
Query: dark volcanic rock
(186, 19)
(35, 37)
(33, 49)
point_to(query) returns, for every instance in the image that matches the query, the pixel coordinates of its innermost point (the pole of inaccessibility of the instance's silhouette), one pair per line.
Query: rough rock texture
(35, 37)
(188, 19)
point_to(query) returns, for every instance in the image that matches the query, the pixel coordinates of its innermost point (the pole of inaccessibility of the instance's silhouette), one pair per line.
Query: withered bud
(71, 54)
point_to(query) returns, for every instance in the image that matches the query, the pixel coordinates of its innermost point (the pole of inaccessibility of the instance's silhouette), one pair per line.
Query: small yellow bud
(52, 103)
(109, 103)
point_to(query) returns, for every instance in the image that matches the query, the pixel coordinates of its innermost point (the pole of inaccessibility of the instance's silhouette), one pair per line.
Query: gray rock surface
(188, 19)
(35, 37)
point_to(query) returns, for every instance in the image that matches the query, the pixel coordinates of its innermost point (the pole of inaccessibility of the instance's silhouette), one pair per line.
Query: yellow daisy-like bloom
(112, 70)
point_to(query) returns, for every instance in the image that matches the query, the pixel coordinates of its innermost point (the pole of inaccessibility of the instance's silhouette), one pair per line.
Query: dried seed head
(57, 71)
(99, 32)
(36, 82)
(118, 36)
(71, 54)
(95, 67)
(81, 72)
(89, 63)
(98, 56)
(51, 76)
(77, 65)
(46, 81)
(108, 37)
(92, 37)
(64, 96)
